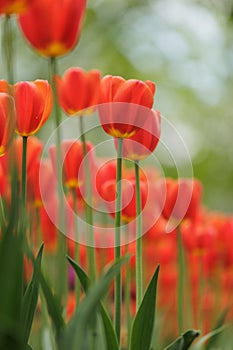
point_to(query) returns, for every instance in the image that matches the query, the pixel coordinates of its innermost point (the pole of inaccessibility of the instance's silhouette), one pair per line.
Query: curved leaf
(110, 334)
(202, 340)
(219, 323)
(143, 324)
(184, 341)
(30, 297)
(74, 337)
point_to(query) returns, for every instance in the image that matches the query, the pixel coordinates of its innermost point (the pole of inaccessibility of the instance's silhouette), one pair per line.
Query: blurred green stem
(117, 252)
(88, 208)
(180, 284)
(77, 258)
(2, 215)
(89, 220)
(24, 172)
(47, 321)
(139, 288)
(61, 253)
(127, 301)
(7, 46)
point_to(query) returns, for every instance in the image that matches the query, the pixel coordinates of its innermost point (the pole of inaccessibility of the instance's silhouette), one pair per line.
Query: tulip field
(100, 248)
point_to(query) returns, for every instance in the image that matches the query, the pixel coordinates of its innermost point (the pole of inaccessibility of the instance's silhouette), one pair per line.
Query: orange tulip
(7, 121)
(78, 91)
(41, 180)
(33, 101)
(72, 157)
(128, 198)
(33, 104)
(53, 27)
(183, 199)
(145, 140)
(125, 105)
(14, 6)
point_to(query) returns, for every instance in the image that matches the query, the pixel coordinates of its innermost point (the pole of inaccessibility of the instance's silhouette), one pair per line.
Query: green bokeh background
(186, 48)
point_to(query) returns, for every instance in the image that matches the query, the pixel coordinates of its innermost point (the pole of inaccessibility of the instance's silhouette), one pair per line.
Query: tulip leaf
(110, 334)
(84, 279)
(30, 297)
(11, 281)
(143, 324)
(28, 347)
(219, 323)
(74, 337)
(202, 341)
(184, 341)
(53, 305)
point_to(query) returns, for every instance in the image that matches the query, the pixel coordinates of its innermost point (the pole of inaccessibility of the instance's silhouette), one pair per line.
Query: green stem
(127, 301)
(8, 44)
(88, 207)
(117, 252)
(24, 172)
(139, 278)
(47, 321)
(2, 215)
(77, 257)
(62, 244)
(57, 110)
(180, 284)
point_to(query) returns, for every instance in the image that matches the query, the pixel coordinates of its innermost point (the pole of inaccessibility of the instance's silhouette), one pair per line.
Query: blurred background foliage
(186, 48)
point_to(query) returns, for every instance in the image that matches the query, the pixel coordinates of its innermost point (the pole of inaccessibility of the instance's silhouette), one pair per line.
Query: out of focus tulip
(9, 7)
(125, 105)
(7, 121)
(78, 91)
(53, 27)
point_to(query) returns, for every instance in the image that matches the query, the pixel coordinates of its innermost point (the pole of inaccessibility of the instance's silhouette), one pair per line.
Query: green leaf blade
(184, 341)
(110, 334)
(30, 297)
(74, 336)
(143, 324)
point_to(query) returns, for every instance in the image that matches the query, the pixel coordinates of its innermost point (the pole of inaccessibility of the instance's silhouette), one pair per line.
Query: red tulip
(33, 102)
(53, 27)
(41, 180)
(7, 121)
(72, 156)
(183, 199)
(78, 91)
(128, 211)
(144, 141)
(125, 105)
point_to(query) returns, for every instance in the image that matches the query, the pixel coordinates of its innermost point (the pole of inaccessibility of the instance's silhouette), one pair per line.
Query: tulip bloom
(9, 7)
(125, 105)
(53, 27)
(41, 182)
(72, 157)
(128, 212)
(7, 121)
(33, 101)
(145, 140)
(183, 199)
(78, 91)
